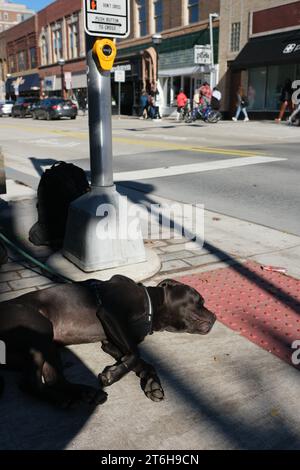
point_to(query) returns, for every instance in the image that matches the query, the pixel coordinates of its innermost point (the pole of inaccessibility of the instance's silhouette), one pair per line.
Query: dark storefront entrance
(131, 89)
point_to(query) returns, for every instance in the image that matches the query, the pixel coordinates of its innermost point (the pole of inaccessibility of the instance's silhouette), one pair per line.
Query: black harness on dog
(138, 326)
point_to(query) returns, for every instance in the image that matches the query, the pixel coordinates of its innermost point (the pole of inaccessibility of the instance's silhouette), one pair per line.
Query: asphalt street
(245, 170)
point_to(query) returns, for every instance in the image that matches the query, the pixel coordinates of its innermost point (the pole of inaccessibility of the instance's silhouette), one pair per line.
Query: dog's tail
(1, 385)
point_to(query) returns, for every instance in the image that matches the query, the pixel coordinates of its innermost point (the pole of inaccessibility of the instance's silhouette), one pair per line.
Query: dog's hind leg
(43, 372)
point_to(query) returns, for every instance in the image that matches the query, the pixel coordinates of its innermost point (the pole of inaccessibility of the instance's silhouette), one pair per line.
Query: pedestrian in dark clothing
(242, 103)
(285, 99)
(144, 103)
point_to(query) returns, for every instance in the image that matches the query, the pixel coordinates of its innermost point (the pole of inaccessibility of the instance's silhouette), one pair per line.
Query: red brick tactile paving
(263, 306)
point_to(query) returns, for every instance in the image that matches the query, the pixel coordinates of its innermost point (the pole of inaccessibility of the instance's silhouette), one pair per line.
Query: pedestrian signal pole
(95, 237)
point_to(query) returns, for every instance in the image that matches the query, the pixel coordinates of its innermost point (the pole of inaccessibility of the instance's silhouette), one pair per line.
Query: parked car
(5, 108)
(54, 108)
(23, 107)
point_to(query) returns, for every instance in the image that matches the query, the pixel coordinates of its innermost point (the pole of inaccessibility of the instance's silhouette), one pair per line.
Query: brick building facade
(58, 33)
(182, 24)
(10, 15)
(22, 60)
(255, 39)
(61, 36)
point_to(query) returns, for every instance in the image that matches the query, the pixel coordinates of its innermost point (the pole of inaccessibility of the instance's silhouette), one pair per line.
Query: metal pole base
(103, 231)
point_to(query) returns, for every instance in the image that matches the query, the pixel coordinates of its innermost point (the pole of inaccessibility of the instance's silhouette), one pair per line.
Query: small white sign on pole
(126, 67)
(120, 76)
(108, 18)
(202, 55)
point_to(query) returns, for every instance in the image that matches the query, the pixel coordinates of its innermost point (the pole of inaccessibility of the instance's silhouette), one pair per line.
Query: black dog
(118, 312)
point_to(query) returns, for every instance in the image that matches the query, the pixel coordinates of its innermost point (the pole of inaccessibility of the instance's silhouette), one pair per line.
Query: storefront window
(277, 75)
(257, 88)
(265, 84)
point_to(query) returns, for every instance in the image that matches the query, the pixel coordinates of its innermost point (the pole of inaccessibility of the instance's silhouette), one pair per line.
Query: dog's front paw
(152, 388)
(111, 374)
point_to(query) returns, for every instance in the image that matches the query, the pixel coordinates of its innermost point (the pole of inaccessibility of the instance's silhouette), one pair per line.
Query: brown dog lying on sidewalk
(118, 312)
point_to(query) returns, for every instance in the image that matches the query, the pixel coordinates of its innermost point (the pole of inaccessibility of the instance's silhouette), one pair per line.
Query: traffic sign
(108, 18)
(120, 76)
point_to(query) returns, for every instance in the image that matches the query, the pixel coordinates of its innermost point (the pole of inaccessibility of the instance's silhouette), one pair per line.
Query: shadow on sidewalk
(146, 200)
(29, 424)
(40, 427)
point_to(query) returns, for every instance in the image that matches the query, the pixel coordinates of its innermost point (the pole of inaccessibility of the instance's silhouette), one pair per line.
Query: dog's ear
(168, 282)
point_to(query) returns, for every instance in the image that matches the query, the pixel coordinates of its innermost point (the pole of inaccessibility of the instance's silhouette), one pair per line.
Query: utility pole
(212, 17)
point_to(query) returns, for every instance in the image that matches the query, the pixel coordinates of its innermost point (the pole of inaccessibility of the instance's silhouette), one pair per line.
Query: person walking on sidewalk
(242, 103)
(285, 99)
(144, 104)
(181, 103)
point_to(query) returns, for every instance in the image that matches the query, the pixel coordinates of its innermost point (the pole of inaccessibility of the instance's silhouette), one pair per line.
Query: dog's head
(184, 310)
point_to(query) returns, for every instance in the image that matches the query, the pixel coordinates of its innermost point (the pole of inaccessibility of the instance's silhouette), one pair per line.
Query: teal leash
(33, 260)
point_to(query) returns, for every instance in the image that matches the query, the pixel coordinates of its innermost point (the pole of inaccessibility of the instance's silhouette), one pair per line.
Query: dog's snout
(213, 317)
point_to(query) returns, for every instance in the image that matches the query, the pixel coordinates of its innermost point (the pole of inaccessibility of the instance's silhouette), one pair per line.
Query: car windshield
(26, 100)
(57, 101)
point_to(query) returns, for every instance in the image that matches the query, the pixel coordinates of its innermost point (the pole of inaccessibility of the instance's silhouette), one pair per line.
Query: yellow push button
(106, 52)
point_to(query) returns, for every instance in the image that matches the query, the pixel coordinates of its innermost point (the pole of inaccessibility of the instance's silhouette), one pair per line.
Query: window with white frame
(158, 15)
(12, 64)
(5, 16)
(73, 37)
(22, 62)
(57, 42)
(32, 55)
(235, 37)
(193, 9)
(44, 50)
(142, 17)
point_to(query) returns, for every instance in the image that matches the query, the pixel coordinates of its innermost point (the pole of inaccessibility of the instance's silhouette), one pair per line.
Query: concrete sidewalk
(222, 391)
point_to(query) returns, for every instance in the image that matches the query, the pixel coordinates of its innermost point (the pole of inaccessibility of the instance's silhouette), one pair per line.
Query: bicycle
(185, 112)
(207, 114)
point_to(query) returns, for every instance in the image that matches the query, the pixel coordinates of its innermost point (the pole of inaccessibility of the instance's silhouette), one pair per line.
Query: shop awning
(25, 83)
(274, 49)
(196, 69)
